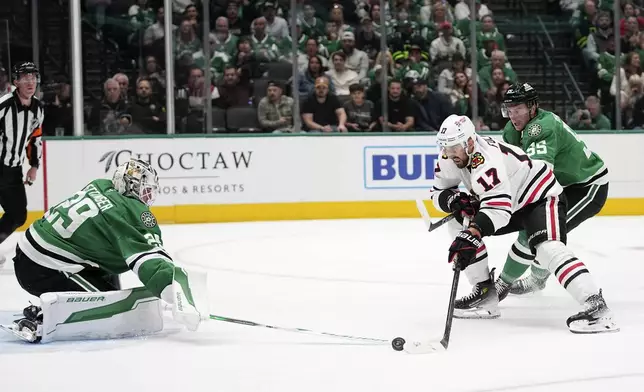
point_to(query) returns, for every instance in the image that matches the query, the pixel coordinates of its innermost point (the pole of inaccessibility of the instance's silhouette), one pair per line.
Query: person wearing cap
(446, 45)
(276, 26)
(275, 110)
(356, 60)
(323, 112)
(366, 38)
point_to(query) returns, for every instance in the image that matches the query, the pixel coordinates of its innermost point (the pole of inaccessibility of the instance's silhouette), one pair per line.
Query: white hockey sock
(479, 270)
(571, 273)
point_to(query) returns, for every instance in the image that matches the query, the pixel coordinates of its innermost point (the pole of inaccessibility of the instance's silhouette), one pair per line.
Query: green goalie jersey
(100, 228)
(546, 137)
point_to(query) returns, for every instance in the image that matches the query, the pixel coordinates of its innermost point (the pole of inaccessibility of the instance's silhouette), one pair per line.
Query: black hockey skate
(530, 284)
(28, 328)
(502, 289)
(595, 318)
(481, 303)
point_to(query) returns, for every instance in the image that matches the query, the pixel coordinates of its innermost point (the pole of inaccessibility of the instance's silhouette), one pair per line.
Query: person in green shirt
(590, 118)
(582, 173)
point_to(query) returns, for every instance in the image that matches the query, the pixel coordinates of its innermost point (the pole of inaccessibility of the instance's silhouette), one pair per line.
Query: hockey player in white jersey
(508, 192)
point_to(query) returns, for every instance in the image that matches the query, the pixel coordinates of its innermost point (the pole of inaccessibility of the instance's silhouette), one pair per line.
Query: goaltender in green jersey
(582, 173)
(70, 258)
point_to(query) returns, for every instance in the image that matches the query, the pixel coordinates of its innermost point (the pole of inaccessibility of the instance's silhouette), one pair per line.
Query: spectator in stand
(340, 75)
(444, 47)
(191, 14)
(141, 16)
(191, 102)
(400, 112)
(484, 55)
(311, 50)
(636, 84)
(435, 15)
(234, 90)
(110, 116)
(459, 93)
(155, 33)
(179, 6)
(434, 107)
(631, 68)
(361, 114)
(97, 9)
(590, 118)
(462, 10)
(498, 60)
(312, 26)
(124, 85)
(147, 114)
(156, 75)
(275, 110)
(246, 60)
(186, 42)
(356, 60)
(323, 111)
(316, 68)
(237, 25)
(493, 114)
(367, 40)
(225, 42)
(59, 114)
(264, 46)
(631, 38)
(276, 27)
(489, 32)
(605, 72)
(629, 10)
(583, 21)
(636, 120)
(446, 77)
(336, 17)
(598, 40)
(218, 60)
(498, 81)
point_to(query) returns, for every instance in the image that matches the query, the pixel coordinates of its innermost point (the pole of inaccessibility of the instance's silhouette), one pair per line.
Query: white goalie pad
(106, 315)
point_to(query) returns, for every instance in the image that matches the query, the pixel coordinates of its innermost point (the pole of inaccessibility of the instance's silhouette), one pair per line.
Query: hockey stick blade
(420, 205)
(300, 330)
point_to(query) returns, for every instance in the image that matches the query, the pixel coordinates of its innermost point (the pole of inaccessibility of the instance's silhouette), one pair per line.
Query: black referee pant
(13, 200)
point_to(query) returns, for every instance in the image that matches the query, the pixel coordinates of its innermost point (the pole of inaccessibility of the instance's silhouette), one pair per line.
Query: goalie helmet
(136, 178)
(456, 131)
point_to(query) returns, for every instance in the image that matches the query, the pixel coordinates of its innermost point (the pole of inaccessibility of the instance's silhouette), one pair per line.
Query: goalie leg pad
(106, 315)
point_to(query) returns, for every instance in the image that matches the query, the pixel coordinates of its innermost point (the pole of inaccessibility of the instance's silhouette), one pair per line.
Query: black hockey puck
(398, 344)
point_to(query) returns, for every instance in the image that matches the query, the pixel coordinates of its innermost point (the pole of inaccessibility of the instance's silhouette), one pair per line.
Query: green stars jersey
(100, 228)
(546, 137)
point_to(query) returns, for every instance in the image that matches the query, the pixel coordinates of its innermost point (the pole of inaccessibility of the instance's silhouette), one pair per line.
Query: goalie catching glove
(463, 249)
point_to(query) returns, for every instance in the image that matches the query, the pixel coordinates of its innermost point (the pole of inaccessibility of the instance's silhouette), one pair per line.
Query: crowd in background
(339, 66)
(595, 32)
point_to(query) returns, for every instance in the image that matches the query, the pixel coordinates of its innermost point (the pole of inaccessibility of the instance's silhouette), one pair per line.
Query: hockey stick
(431, 346)
(298, 330)
(420, 205)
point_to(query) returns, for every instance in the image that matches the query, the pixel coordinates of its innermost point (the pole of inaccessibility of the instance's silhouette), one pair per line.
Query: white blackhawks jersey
(503, 177)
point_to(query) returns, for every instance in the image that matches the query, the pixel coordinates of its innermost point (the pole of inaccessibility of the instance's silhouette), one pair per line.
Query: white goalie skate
(481, 303)
(595, 318)
(28, 328)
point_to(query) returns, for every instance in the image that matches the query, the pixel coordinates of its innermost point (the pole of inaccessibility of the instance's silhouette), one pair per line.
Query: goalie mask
(137, 178)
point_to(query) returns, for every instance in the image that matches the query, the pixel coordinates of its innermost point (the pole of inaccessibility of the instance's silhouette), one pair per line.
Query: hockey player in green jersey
(582, 173)
(69, 256)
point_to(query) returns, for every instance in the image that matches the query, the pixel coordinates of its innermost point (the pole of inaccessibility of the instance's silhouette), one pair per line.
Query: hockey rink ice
(374, 278)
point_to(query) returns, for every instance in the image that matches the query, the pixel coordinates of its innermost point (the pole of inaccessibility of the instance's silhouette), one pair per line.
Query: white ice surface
(373, 278)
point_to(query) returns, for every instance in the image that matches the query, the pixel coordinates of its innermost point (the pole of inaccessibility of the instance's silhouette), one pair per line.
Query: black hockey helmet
(25, 67)
(517, 94)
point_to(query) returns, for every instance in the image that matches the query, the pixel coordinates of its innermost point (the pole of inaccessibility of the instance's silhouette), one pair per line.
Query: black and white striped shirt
(20, 131)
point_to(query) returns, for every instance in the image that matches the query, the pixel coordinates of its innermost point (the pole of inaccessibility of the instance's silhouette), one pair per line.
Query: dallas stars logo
(534, 130)
(148, 219)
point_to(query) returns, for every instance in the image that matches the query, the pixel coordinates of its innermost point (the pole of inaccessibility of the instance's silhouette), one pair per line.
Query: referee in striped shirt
(21, 117)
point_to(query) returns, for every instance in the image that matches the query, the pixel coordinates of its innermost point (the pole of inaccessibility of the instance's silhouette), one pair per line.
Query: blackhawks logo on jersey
(534, 130)
(148, 219)
(476, 160)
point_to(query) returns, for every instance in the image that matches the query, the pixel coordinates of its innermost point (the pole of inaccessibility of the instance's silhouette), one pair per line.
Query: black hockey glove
(462, 252)
(463, 205)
